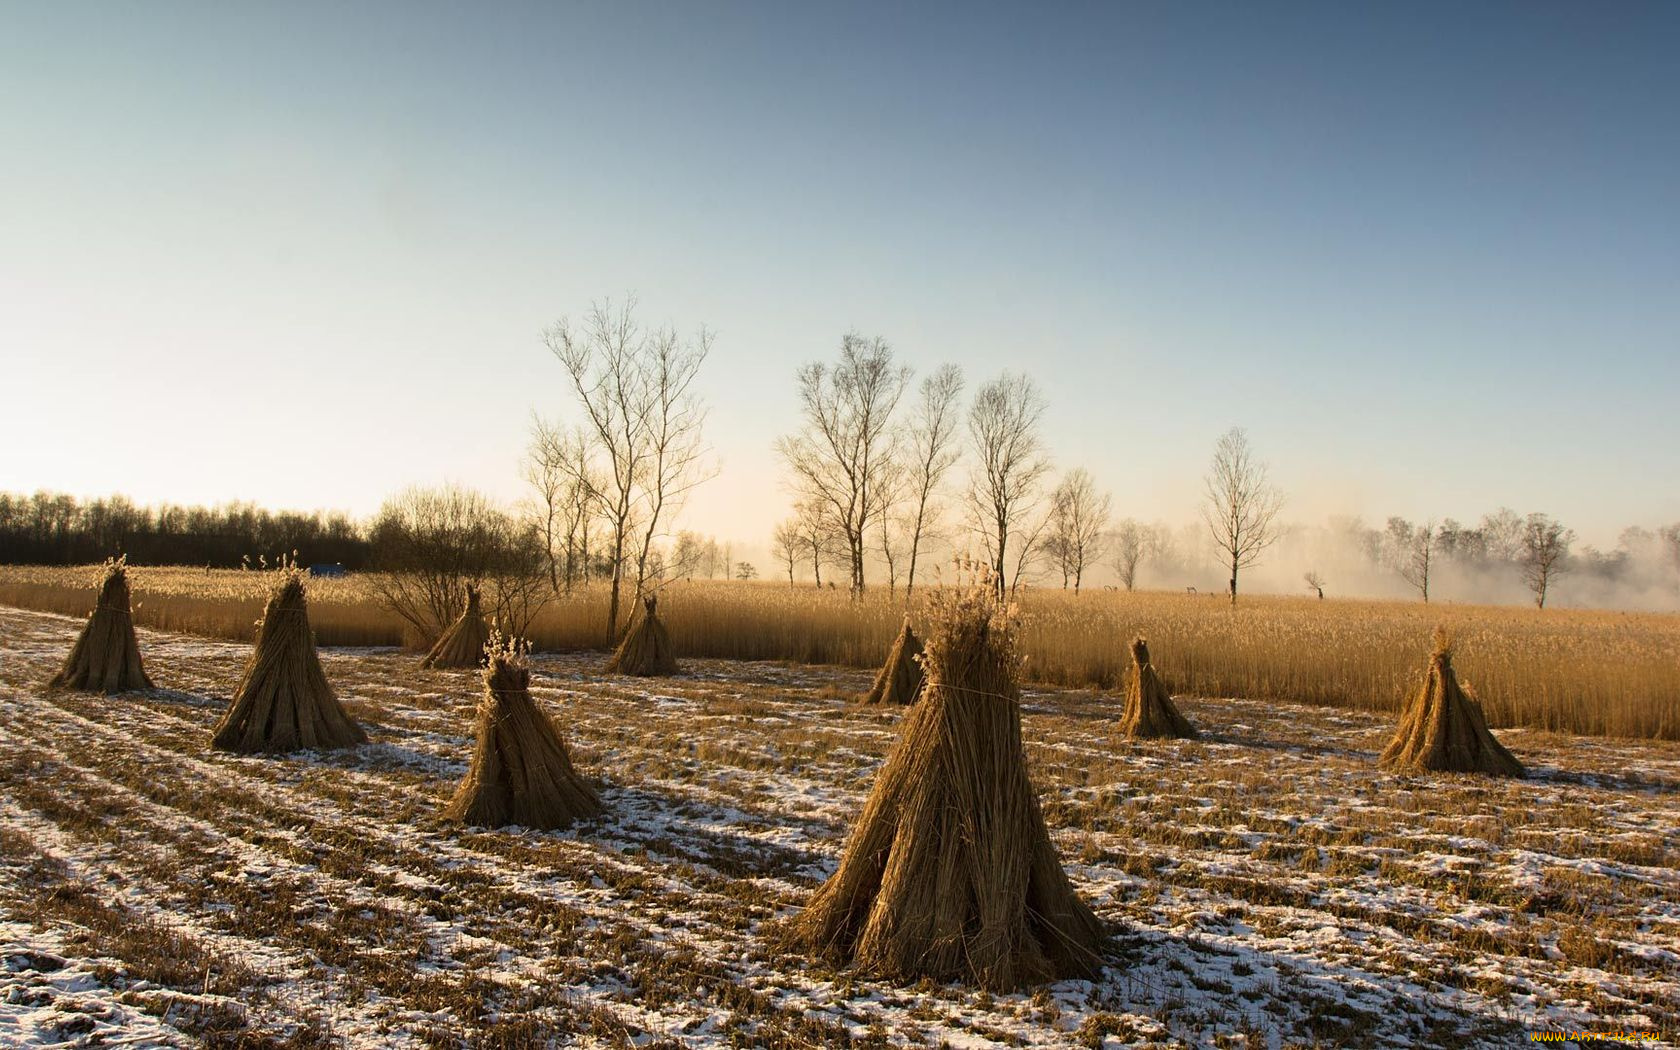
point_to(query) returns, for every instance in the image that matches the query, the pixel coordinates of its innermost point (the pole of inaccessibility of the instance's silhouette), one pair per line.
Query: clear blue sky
(1429, 255)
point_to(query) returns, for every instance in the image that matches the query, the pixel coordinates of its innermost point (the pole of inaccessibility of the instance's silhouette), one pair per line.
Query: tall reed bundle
(1442, 728)
(521, 772)
(901, 676)
(1150, 712)
(283, 702)
(462, 645)
(646, 648)
(106, 656)
(949, 872)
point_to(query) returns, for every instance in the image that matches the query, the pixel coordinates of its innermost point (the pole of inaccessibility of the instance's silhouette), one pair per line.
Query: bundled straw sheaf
(900, 678)
(949, 872)
(1443, 729)
(463, 644)
(521, 772)
(284, 702)
(646, 648)
(1150, 712)
(106, 656)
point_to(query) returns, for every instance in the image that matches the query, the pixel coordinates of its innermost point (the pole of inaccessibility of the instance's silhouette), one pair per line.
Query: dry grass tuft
(1442, 729)
(1150, 712)
(900, 679)
(284, 702)
(521, 772)
(949, 872)
(462, 645)
(106, 656)
(646, 649)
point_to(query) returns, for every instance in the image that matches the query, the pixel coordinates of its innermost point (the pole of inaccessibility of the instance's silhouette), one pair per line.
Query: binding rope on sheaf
(283, 701)
(106, 655)
(1443, 728)
(521, 772)
(949, 871)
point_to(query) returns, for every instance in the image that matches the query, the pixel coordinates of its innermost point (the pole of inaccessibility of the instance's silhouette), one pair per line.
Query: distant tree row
(873, 476)
(49, 528)
(1537, 546)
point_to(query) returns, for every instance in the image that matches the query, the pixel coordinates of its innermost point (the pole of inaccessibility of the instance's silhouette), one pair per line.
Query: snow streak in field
(1267, 885)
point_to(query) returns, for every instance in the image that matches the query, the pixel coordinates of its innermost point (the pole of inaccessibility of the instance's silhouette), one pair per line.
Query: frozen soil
(1266, 885)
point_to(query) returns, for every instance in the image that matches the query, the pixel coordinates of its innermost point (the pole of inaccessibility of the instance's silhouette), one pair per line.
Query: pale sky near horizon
(1428, 255)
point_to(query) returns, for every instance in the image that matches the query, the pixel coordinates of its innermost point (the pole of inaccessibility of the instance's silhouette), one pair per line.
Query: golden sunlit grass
(1581, 671)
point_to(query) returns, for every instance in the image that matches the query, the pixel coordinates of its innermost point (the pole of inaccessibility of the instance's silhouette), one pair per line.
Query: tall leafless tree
(1413, 552)
(843, 455)
(930, 453)
(635, 388)
(819, 538)
(788, 545)
(1078, 525)
(1502, 534)
(1545, 553)
(1131, 542)
(566, 499)
(1006, 476)
(1240, 505)
(1669, 536)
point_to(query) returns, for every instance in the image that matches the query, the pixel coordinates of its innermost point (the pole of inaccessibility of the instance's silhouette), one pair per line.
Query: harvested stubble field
(1568, 670)
(1267, 885)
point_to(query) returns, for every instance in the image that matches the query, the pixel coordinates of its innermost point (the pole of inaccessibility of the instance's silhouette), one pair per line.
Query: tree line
(48, 528)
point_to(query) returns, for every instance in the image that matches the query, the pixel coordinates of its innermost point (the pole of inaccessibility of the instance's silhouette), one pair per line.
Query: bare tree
(788, 544)
(430, 544)
(687, 555)
(1413, 552)
(1545, 553)
(567, 498)
(1241, 504)
(635, 388)
(930, 452)
(1502, 534)
(1078, 525)
(1009, 465)
(1130, 543)
(844, 451)
(819, 537)
(1669, 536)
(1315, 582)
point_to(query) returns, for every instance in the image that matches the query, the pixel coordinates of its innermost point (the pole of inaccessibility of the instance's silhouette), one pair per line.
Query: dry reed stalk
(901, 676)
(462, 645)
(106, 656)
(284, 702)
(1150, 712)
(521, 772)
(646, 649)
(949, 872)
(1442, 728)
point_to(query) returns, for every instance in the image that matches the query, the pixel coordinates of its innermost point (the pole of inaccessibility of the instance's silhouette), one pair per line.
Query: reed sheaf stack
(1150, 712)
(900, 679)
(106, 656)
(284, 702)
(1443, 729)
(646, 648)
(521, 772)
(949, 872)
(462, 644)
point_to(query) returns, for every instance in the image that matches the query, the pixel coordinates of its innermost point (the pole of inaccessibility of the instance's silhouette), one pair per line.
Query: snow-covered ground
(1267, 885)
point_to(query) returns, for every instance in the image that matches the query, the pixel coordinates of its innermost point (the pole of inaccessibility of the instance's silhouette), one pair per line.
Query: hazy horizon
(1429, 259)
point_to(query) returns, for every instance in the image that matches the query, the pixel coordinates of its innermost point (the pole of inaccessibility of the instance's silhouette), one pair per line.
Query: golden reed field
(1591, 672)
